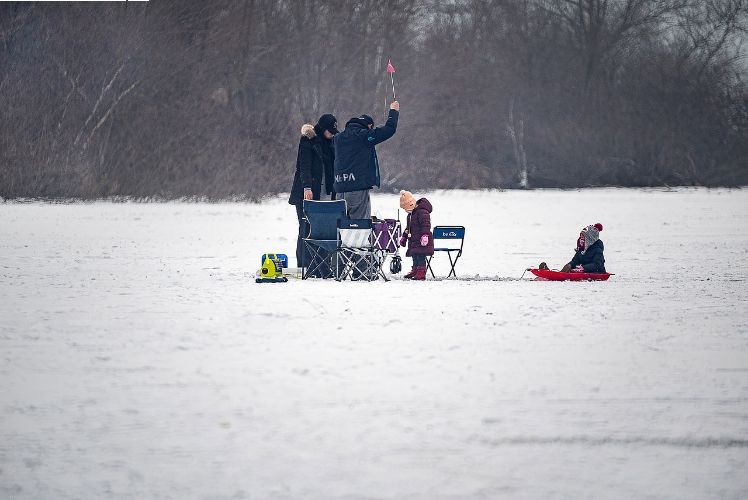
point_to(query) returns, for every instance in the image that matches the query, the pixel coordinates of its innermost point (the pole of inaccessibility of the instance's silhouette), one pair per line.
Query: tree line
(190, 98)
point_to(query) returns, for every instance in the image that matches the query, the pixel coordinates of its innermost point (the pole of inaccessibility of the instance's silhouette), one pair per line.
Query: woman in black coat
(314, 164)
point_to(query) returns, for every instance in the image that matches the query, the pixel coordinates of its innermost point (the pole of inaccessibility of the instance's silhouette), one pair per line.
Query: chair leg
(453, 263)
(338, 271)
(342, 266)
(370, 267)
(320, 261)
(350, 267)
(304, 268)
(358, 264)
(377, 262)
(381, 273)
(428, 264)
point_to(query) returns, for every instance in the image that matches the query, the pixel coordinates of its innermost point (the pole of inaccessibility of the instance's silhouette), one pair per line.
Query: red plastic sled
(559, 276)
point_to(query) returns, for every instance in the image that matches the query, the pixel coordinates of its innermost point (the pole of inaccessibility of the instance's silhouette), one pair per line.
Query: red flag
(390, 67)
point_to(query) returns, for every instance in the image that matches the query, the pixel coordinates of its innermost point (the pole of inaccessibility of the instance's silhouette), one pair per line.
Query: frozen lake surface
(138, 358)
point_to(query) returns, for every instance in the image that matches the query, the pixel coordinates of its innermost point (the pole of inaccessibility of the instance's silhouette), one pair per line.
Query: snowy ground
(138, 359)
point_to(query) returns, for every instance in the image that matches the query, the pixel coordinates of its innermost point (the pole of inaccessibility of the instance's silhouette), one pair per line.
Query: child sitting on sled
(417, 233)
(588, 256)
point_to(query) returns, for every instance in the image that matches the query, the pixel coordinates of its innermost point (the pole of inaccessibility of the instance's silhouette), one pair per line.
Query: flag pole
(391, 71)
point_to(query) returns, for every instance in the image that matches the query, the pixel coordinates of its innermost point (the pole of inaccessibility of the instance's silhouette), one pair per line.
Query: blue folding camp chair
(322, 240)
(446, 240)
(359, 258)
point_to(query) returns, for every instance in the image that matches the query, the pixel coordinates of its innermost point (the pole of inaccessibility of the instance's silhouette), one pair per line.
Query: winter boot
(410, 275)
(420, 273)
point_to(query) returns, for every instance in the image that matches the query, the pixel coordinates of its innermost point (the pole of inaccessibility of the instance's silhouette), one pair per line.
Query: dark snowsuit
(592, 260)
(419, 223)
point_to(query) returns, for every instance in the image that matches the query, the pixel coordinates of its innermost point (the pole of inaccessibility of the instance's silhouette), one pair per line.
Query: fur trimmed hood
(307, 130)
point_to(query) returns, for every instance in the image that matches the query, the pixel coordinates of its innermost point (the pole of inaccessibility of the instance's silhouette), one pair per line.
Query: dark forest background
(206, 98)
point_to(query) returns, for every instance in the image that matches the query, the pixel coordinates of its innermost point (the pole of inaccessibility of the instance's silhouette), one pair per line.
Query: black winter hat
(327, 122)
(363, 120)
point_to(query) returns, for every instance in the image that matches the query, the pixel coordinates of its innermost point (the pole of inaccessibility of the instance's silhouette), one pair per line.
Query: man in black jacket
(314, 164)
(356, 163)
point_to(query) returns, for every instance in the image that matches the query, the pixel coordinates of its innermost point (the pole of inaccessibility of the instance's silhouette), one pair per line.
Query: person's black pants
(419, 260)
(302, 256)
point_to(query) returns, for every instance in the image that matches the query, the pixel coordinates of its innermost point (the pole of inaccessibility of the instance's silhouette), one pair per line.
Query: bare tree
(190, 98)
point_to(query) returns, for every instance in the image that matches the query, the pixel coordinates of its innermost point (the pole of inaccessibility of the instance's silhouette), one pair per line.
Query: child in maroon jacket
(417, 233)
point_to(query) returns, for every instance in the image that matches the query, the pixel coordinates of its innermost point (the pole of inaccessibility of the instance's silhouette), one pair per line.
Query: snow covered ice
(138, 358)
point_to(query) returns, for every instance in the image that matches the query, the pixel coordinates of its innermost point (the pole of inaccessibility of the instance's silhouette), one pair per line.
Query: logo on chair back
(448, 234)
(345, 177)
